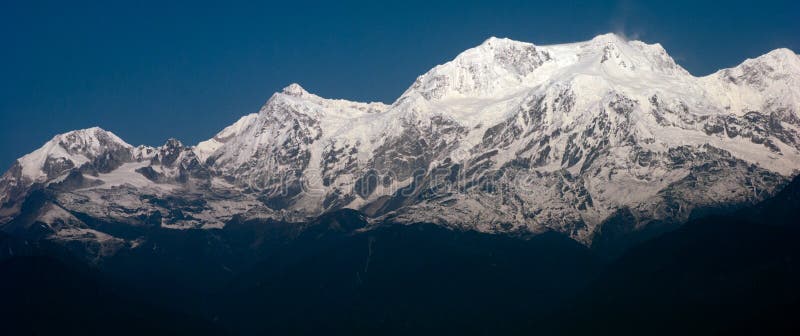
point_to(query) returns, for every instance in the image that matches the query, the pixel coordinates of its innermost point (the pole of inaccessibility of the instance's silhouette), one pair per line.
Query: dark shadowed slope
(409, 279)
(717, 275)
(735, 274)
(45, 296)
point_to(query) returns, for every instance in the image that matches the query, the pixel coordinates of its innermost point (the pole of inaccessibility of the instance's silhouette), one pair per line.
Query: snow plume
(620, 21)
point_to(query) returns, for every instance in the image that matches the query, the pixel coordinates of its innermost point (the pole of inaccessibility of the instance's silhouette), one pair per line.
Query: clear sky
(149, 71)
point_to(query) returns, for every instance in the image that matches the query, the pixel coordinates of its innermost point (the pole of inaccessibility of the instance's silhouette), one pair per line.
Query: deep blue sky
(150, 71)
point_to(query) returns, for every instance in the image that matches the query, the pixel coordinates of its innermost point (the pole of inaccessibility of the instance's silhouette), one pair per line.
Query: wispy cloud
(621, 20)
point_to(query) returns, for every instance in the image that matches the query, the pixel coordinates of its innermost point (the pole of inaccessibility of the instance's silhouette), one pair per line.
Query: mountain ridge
(507, 137)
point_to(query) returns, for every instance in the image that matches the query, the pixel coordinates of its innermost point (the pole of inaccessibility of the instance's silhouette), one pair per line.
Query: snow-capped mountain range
(508, 137)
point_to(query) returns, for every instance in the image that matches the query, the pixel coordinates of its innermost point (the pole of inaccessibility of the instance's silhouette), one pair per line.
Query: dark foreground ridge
(723, 274)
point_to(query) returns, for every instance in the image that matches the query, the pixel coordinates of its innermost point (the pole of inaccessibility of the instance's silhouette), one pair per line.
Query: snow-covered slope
(89, 151)
(507, 137)
(71, 150)
(767, 83)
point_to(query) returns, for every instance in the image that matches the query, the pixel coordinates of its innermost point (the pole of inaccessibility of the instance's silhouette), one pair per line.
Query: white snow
(79, 147)
(489, 84)
(497, 81)
(127, 175)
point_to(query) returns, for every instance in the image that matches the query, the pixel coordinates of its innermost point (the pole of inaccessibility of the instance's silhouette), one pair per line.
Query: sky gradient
(150, 71)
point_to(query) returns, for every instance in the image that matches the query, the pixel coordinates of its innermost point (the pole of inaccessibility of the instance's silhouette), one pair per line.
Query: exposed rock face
(508, 137)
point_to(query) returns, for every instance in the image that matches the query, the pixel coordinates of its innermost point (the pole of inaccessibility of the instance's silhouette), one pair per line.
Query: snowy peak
(170, 152)
(611, 36)
(172, 143)
(297, 99)
(90, 140)
(294, 90)
(501, 67)
(500, 43)
(71, 150)
(615, 54)
(769, 83)
(281, 133)
(607, 38)
(778, 64)
(781, 58)
(481, 71)
(589, 128)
